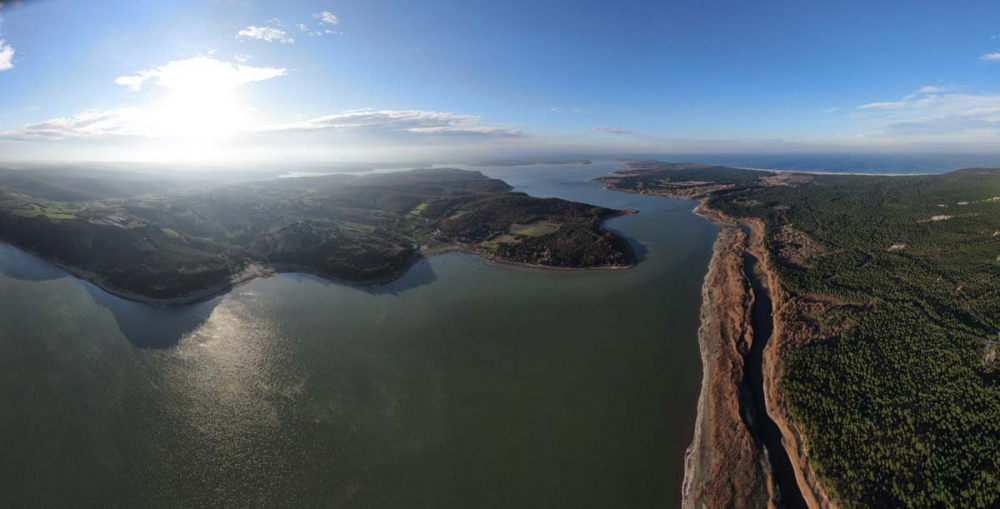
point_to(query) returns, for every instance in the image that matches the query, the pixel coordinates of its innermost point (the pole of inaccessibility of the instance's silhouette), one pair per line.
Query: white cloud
(6, 56)
(990, 57)
(883, 105)
(832, 110)
(927, 94)
(932, 89)
(265, 34)
(621, 131)
(400, 121)
(86, 124)
(327, 17)
(927, 116)
(319, 32)
(6, 50)
(200, 72)
(150, 122)
(196, 103)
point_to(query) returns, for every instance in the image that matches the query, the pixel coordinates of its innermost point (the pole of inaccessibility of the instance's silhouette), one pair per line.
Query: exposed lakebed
(463, 384)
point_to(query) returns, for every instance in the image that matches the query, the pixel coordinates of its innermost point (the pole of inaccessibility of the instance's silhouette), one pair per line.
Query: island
(170, 243)
(876, 353)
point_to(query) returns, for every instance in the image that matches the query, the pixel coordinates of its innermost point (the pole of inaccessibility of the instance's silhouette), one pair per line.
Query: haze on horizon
(233, 81)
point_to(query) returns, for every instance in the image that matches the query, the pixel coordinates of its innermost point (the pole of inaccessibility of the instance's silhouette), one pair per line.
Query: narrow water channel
(764, 428)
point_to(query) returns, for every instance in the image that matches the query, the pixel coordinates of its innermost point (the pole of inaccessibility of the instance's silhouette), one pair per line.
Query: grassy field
(51, 212)
(535, 229)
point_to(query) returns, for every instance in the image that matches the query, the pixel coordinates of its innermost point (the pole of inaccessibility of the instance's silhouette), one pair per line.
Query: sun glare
(200, 101)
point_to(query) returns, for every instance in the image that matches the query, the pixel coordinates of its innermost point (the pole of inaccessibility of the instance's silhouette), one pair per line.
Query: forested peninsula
(173, 243)
(881, 372)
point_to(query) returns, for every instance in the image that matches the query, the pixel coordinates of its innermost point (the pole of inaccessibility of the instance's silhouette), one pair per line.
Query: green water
(464, 384)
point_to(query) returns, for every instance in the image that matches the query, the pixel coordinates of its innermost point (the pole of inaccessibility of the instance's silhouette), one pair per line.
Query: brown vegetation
(724, 466)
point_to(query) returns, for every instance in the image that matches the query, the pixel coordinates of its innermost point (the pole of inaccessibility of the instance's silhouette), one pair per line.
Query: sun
(198, 100)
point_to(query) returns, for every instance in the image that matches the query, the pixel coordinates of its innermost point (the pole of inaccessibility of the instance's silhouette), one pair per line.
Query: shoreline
(725, 465)
(813, 172)
(702, 462)
(265, 270)
(793, 441)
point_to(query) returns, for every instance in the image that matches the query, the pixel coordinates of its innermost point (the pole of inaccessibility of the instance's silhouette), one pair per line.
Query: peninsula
(162, 243)
(880, 374)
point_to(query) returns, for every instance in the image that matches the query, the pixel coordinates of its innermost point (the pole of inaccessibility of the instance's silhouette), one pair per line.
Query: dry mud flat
(725, 465)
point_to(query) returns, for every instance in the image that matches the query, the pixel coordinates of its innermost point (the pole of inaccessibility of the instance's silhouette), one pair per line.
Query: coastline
(265, 270)
(702, 464)
(811, 172)
(723, 467)
(709, 472)
(793, 440)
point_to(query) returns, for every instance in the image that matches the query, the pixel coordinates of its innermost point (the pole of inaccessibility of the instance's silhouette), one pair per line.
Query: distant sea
(843, 163)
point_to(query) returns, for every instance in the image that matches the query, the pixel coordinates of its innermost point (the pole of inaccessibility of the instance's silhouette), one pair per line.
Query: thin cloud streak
(620, 131)
(267, 34)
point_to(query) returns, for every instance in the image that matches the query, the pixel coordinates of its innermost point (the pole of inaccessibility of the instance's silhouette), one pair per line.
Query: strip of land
(881, 371)
(161, 243)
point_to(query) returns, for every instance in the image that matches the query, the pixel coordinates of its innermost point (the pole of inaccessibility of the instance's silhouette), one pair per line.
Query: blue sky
(366, 79)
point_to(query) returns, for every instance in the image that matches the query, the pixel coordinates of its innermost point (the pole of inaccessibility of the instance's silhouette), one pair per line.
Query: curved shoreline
(792, 439)
(266, 270)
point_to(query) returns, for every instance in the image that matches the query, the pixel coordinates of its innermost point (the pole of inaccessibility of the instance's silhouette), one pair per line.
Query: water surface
(463, 384)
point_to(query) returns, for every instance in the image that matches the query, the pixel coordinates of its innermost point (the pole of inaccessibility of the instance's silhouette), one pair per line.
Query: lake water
(463, 384)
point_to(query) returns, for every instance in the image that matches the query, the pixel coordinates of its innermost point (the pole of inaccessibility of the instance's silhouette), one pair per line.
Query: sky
(317, 81)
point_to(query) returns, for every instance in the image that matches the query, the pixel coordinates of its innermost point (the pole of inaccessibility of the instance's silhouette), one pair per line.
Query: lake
(463, 384)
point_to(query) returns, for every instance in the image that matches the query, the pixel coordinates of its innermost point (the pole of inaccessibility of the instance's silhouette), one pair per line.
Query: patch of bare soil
(795, 247)
(935, 219)
(785, 179)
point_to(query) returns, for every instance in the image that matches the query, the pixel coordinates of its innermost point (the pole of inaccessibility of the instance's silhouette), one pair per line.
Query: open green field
(34, 210)
(534, 229)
